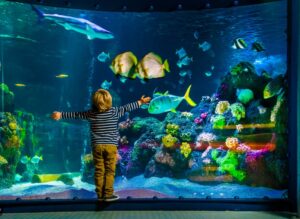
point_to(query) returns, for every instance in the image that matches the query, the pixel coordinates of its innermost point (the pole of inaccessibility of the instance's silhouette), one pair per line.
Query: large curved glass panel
(216, 125)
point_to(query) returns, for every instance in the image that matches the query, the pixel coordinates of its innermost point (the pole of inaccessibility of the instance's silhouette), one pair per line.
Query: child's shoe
(111, 198)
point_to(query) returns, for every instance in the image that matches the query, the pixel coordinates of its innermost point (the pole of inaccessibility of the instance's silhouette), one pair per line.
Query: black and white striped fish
(239, 43)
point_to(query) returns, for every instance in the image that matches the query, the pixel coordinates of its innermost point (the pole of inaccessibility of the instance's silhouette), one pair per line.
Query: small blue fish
(103, 57)
(185, 61)
(25, 159)
(106, 85)
(36, 159)
(196, 35)
(184, 73)
(123, 79)
(205, 46)
(181, 53)
(208, 73)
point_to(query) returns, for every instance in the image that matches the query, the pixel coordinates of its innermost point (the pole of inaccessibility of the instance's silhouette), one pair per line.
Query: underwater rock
(158, 170)
(241, 76)
(143, 150)
(8, 98)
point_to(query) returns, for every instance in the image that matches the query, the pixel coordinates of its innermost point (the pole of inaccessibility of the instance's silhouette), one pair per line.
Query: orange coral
(232, 143)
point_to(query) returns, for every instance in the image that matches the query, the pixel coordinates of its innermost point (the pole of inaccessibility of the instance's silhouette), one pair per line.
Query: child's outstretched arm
(132, 106)
(70, 115)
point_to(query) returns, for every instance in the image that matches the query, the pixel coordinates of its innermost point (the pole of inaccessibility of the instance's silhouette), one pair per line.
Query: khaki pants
(105, 158)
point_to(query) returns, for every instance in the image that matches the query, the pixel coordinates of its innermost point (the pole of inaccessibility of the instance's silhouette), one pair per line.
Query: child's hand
(144, 100)
(56, 115)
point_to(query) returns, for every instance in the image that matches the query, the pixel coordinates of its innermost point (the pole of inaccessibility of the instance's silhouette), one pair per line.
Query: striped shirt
(103, 125)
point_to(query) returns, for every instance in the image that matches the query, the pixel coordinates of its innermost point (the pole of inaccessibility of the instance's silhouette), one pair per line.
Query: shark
(80, 25)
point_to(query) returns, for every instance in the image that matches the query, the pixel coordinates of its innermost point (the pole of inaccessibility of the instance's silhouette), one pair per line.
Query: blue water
(47, 49)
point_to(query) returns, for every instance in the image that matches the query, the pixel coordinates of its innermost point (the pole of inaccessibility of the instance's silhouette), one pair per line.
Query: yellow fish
(151, 66)
(124, 65)
(62, 76)
(20, 85)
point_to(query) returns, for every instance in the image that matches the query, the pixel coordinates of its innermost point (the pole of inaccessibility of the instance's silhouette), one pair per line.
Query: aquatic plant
(169, 141)
(185, 149)
(232, 143)
(8, 97)
(3, 160)
(222, 107)
(218, 121)
(172, 129)
(244, 95)
(238, 111)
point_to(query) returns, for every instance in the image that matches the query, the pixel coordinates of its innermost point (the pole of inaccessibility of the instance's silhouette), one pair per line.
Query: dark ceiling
(144, 5)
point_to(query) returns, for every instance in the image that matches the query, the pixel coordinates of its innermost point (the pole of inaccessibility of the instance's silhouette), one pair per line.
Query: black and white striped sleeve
(120, 111)
(75, 115)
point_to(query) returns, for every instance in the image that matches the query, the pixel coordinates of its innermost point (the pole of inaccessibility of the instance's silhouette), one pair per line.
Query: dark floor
(151, 215)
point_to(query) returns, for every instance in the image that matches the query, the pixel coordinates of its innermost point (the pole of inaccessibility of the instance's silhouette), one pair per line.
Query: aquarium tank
(216, 125)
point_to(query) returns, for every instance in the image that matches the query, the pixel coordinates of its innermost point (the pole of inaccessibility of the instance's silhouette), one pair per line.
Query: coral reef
(185, 149)
(238, 111)
(169, 141)
(172, 129)
(222, 107)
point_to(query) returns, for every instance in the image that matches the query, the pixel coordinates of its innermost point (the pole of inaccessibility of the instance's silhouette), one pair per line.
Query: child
(103, 119)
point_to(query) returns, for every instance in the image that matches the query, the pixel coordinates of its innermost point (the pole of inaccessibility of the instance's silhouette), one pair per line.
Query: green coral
(172, 129)
(238, 111)
(186, 136)
(229, 163)
(244, 95)
(218, 122)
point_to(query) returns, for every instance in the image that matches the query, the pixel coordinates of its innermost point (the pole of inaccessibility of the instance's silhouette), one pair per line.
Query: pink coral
(203, 115)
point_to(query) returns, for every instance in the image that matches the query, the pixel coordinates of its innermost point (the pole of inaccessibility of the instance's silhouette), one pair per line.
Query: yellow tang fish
(62, 76)
(151, 66)
(124, 65)
(20, 85)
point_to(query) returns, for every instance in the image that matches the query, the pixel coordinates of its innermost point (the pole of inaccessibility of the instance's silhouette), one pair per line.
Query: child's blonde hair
(102, 100)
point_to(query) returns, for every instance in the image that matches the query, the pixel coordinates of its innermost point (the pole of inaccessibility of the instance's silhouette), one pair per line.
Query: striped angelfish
(167, 102)
(239, 43)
